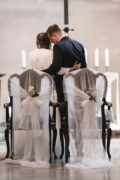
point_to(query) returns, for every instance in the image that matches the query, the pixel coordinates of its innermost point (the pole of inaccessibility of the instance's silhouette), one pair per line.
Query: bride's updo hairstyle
(43, 41)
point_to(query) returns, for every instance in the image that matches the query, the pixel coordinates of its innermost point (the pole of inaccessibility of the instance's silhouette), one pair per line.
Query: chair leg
(64, 135)
(67, 153)
(62, 143)
(103, 138)
(7, 142)
(108, 142)
(50, 144)
(54, 142)
(103, 124)
(12, 144)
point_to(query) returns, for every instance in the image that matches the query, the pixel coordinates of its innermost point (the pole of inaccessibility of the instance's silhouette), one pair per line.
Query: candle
(23, 54)
(86, 54)
(106, 57)
(96, 57)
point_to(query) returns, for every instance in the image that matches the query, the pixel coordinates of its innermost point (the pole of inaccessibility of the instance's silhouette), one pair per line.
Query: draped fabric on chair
(30, 118)
(86, 149)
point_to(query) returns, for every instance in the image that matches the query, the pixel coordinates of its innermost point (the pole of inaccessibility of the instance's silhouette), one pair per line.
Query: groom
(65, 54)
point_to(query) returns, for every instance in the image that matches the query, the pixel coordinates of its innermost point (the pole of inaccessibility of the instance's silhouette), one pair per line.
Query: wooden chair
(25, 79)
(83, 79)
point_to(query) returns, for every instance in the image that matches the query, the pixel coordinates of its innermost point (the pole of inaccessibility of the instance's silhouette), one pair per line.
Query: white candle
(96, 57)
(106, 57)
(23, 54)
(86, 54)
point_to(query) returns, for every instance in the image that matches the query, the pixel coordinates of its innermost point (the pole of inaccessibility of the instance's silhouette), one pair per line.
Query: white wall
(96, 24)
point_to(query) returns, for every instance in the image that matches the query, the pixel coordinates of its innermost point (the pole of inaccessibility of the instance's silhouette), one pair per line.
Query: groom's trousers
(64, 133)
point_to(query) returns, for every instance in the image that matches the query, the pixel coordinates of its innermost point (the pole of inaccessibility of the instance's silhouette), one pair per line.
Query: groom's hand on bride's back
(75, 66)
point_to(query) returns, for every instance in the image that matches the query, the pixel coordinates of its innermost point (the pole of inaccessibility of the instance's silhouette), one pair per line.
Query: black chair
(83, 79)
(35, 79)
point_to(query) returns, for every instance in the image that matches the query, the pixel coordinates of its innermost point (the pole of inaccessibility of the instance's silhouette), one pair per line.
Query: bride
(39, 59)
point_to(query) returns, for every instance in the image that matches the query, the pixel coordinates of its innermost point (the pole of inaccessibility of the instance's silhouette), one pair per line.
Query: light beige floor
(58, 172)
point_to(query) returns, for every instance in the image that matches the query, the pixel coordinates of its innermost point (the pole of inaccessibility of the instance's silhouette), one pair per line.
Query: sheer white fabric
(86, 147)
(31, 121)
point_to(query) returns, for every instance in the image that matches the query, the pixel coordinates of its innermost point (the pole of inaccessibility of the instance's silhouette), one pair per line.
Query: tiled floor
(59, 172)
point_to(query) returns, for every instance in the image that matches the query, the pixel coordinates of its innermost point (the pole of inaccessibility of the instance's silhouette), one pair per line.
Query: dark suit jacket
(65, 53)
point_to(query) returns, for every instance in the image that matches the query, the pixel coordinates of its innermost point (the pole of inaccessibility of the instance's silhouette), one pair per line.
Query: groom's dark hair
(52, 29)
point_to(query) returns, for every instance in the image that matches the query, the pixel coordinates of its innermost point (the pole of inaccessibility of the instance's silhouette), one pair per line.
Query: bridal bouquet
(32, 92)
(92, 93)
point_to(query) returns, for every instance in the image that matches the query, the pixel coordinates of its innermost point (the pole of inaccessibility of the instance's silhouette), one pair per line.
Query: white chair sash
(85, 138)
